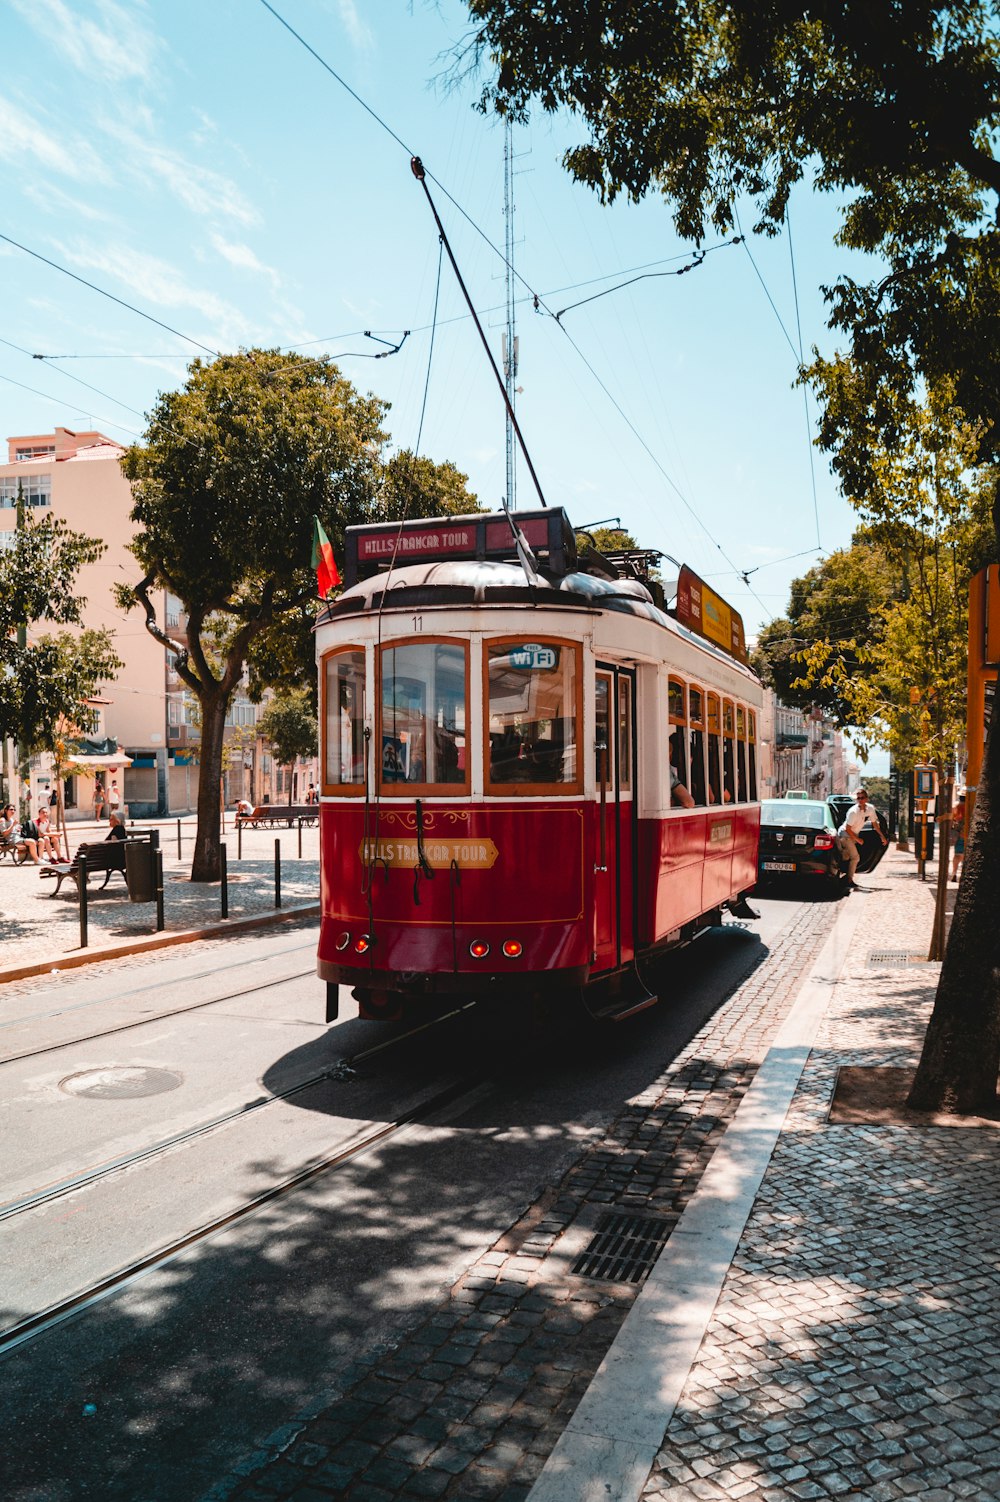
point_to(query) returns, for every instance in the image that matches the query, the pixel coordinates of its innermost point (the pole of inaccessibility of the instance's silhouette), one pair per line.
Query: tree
(892, 107)
(226, 483)
(831, 609)
(290, 725)
(48, 679)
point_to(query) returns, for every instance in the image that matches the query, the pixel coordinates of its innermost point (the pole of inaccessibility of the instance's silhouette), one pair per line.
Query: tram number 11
(418, 623)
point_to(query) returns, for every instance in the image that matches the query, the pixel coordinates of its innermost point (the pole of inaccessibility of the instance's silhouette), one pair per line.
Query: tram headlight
(362, 944)
(343, 941)
(479, 949)
(512, 948)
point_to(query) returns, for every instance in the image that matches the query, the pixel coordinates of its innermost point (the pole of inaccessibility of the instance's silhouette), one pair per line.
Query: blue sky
(195, 160)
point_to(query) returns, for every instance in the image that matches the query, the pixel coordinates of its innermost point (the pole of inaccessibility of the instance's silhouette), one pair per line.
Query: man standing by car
(850, 832)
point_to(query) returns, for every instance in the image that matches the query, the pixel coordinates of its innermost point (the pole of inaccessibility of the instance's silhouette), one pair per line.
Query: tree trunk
(961, 1054)
(206, 865)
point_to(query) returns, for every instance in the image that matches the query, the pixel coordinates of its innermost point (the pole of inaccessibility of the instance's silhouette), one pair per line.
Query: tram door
(615, 844)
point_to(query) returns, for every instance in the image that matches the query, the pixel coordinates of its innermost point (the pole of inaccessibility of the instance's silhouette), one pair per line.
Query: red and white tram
(507, 735)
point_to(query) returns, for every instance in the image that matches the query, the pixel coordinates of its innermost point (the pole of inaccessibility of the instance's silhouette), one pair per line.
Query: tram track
(340, 1070)
(124, 1027)
(34, 1325)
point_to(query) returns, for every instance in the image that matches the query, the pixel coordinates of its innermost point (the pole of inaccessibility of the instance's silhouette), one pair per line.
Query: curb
(608, 1449)
(156, 941)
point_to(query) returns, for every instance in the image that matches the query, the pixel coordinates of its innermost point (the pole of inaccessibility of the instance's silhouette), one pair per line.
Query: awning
(97, 763)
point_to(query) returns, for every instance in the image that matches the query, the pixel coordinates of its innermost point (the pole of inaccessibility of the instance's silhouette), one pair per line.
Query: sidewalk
(40, 931)
(820, 1322)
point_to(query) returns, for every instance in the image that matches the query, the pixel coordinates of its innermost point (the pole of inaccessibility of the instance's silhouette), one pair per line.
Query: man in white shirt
(851, 830)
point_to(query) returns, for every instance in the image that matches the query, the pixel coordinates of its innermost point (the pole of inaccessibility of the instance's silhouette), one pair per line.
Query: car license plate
(778, 866)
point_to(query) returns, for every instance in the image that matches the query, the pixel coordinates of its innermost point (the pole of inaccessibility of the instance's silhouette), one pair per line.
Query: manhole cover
(624, 1248)
(121, 1083)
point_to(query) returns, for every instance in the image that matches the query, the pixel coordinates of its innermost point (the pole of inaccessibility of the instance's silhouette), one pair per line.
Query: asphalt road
(156, 1391)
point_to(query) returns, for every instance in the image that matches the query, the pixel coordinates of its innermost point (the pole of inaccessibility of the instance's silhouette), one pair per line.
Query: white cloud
(204, 192)
(242, 257)
(353, 24)
(161, 285)
(114, 46)
(48, 196)
(23, 140)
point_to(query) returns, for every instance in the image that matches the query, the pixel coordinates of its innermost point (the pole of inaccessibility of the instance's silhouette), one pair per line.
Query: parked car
(798, 838)
(872, 849)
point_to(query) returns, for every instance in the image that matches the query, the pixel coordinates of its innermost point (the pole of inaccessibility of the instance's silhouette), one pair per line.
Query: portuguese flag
(323, 561)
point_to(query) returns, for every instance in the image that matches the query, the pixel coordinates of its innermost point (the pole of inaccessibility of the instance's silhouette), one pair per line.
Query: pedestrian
(27, 841)
(46, 845)
(98, 799)
(114, 800)
(958, 826)
(116, 830)
(849, 834)
(54, 798)
(9, 828)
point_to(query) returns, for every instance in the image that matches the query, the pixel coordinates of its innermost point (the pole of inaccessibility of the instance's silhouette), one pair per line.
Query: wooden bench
(270, 815)
(108, 856)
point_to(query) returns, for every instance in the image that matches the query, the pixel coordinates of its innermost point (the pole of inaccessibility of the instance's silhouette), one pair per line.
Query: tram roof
(494, 558)
(472, 582)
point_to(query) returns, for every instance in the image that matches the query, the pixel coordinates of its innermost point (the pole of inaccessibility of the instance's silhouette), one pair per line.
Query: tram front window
(531, 711)
(344, 719)
(423, 728)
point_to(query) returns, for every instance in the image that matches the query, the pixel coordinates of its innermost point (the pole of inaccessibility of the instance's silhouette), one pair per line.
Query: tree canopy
(232, 469)
(712, 103)
(48, 677)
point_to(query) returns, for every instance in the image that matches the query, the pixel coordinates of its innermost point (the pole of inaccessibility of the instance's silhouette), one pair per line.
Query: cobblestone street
(470, 1403)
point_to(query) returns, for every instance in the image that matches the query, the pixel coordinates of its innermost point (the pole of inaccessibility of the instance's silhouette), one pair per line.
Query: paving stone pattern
(470, 1402)
(853, 1350)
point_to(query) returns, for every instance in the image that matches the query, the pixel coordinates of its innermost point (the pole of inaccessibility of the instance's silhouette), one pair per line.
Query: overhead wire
(70, 377)
(110, 295)
(537, 298)
(805, 387)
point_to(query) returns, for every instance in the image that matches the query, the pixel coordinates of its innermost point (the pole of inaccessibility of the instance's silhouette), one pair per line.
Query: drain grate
(895, 958)
(624, 1248)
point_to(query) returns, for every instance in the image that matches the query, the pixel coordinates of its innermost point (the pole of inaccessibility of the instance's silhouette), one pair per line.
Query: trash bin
(140, 870)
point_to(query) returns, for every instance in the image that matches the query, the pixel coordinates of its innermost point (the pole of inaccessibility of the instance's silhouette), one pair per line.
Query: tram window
(752, 754)
(625, 735)
(344, 719)
(677, 744)
(423, 728)
(741, 753)
(696, 741)
(602, 730)
(728, 752)
(531, 713)
(716, 791)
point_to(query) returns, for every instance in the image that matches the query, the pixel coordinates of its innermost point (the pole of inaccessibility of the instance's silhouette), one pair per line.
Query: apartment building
(147, 732)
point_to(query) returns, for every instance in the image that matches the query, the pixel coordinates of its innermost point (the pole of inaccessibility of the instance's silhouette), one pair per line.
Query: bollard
(239, 840)
(82, 881)
(277, 873)
(158, 858)
(224, 879)
(154, 838)
(178, 839)
(300, 839)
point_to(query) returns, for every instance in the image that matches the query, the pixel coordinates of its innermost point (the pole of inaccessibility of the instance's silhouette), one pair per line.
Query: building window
(44, 451)
(36, 489)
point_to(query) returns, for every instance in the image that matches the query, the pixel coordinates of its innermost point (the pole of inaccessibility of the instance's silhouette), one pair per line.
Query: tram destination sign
(703, 611)
(380, 545)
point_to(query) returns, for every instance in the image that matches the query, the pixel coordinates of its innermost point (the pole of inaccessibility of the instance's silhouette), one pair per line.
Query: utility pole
(509, 338)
